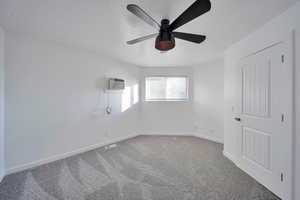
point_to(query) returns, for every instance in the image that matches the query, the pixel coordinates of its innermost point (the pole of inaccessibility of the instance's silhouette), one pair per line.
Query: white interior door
(265, 118)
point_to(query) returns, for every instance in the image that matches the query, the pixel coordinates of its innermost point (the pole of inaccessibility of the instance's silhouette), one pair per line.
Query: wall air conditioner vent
(116, 84)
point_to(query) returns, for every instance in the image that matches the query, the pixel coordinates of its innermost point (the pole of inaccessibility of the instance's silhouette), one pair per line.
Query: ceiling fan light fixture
(164, 42)
(164, 45)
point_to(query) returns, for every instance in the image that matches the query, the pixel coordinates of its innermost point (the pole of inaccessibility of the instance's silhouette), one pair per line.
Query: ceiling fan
(165, 38)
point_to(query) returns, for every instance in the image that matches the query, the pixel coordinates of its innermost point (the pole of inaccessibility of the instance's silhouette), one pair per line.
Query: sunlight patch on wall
(135, 93)
(130, 96)
(126, 98)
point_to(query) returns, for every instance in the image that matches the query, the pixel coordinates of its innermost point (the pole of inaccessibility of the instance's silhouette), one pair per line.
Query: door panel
(256, 89)
(257, 147)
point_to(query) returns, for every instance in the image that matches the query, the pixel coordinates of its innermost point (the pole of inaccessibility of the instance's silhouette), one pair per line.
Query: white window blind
(166, 88)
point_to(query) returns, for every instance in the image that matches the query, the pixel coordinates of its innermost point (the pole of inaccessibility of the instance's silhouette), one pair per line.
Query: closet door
(264, 130)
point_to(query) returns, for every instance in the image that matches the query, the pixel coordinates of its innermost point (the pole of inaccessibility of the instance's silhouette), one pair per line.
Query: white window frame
(164, 99)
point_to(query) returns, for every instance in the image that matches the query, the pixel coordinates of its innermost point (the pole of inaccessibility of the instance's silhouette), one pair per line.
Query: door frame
(289, 63)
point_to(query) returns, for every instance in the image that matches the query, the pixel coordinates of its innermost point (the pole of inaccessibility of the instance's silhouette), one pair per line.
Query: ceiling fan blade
(189, 37)
(198, 8)
(142, 38)
(140, 13)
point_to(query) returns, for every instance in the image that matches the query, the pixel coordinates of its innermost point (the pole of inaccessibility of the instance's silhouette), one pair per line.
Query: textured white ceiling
(104, 26)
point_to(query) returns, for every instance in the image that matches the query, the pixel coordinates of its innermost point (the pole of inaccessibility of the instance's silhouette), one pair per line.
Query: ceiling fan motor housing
(165, 40)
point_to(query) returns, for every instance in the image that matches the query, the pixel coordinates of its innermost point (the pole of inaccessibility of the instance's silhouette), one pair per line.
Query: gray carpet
(142, 168)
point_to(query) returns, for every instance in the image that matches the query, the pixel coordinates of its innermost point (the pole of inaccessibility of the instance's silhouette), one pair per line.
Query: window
(170, 88)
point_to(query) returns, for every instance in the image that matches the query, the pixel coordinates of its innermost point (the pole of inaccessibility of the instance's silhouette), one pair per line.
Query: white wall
(209, 99)
(202, 115)
(167, 117)
(274, 31)
(1, 103)
(55, 101)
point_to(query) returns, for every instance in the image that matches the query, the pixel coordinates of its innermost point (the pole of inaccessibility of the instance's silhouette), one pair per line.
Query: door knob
(238, 119)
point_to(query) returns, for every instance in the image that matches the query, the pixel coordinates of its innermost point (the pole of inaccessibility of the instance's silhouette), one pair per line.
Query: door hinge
(282, 58)
(281, 177)
(282, 118)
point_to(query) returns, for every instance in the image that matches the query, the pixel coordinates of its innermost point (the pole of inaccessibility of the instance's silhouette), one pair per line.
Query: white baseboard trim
(208, 137)
(1, 176)
(195, 134)
(147, 133)
(230, 157)
(95, 146)
(64, 155)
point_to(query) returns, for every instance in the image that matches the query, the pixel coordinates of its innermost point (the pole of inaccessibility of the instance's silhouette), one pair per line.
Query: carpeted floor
(142, 168)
